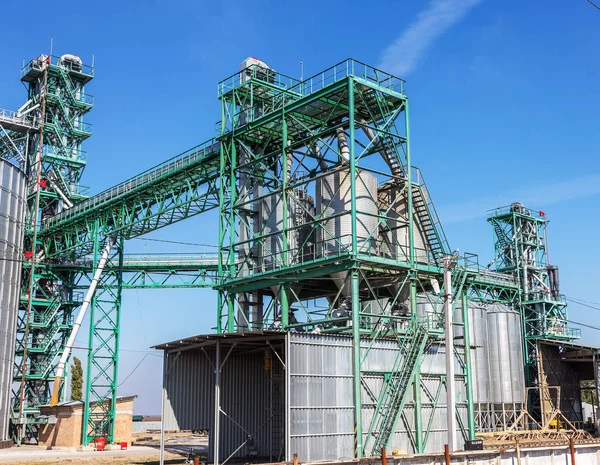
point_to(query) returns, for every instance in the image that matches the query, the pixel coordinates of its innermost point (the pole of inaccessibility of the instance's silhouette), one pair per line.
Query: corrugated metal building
(260, 370)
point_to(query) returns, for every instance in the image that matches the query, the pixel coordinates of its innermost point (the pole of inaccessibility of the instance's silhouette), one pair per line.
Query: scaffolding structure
(325, 226)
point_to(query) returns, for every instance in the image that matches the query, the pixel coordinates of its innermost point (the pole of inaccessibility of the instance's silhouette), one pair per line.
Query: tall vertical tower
(54, 162)
(325, 225)
(521, 248)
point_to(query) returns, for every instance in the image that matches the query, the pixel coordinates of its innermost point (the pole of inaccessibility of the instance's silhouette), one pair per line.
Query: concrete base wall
(557, 455)
(67, 430)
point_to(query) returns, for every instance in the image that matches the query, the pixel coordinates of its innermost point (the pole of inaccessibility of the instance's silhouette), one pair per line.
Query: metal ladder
(500, 235)
(428, 219)
(395, 390)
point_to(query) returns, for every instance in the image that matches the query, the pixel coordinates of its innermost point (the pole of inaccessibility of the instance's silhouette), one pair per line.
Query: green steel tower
(326, 227)
(51, 155)
(521, 249)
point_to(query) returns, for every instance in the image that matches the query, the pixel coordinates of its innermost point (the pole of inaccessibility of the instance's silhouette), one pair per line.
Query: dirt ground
(170, 459)
(145, 451)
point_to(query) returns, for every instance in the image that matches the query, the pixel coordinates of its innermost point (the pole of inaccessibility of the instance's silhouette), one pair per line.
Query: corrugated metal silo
(333, 199)
(12, 217)
(505, 355)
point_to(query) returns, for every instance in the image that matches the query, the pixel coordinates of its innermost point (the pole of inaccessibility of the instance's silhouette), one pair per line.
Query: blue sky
(504, 107)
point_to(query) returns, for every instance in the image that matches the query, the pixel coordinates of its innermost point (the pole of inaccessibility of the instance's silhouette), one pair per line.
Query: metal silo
(334, 199)
(505, 354)
(300, 209)
(479, 351)
(12, 217)
(394, 229)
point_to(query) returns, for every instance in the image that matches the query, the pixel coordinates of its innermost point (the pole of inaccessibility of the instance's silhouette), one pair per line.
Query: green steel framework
(520, 244)
(277, 139)
(53, 162)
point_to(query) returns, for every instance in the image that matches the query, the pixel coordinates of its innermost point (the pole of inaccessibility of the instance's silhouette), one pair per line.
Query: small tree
(76, 380)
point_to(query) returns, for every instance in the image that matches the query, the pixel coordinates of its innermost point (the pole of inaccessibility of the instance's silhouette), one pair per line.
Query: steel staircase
(428, 220)
(500, 235)
(383, 141)
(72, 91)
(394, 393)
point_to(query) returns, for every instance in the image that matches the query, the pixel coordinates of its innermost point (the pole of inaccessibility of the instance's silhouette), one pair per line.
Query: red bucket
(124, 445)
(100, 443)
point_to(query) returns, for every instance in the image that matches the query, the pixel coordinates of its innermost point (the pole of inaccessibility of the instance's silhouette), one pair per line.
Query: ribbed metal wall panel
(322, 419)
(505, 355)
(190, 389)
(12, 217)
(321, 407)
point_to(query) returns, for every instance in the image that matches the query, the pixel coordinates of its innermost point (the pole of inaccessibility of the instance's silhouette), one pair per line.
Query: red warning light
(542, 214)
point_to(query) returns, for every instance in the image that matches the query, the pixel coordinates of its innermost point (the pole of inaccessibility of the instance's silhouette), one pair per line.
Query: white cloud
(532, 197)
(401, 57)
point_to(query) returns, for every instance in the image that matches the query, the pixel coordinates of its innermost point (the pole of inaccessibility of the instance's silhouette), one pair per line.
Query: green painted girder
(159, 271)
(179, 188)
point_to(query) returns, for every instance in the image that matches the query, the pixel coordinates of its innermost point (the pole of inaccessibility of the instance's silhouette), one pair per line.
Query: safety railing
(516, 208)
(157, 260)
(80, 191)
(284, 89)
(13, 117)
(266, 260)
(39, 63)
(256, 73)
(75, 155)
(344, 69)
(336, 73)
(166, 168)
(77, 96)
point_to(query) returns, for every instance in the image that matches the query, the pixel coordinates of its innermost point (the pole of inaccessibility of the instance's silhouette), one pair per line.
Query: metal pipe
(447, 454)
(518, 451)
(572, 449)
(450, 391)
(383, 456)
(468, 370)
(80, 316)
(22, 107)
(62, 195)
(29, 110)
(343, 144)
(320, 160)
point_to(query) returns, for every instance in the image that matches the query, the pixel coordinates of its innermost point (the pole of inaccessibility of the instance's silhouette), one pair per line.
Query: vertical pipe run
(572, 449)
(468, 368)
(286, 162)
(447, 454)
(383, 456)
(417, 382)
(409, 190)
(356, 372)
(353, 170)
(450, 391)
(232, 232)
